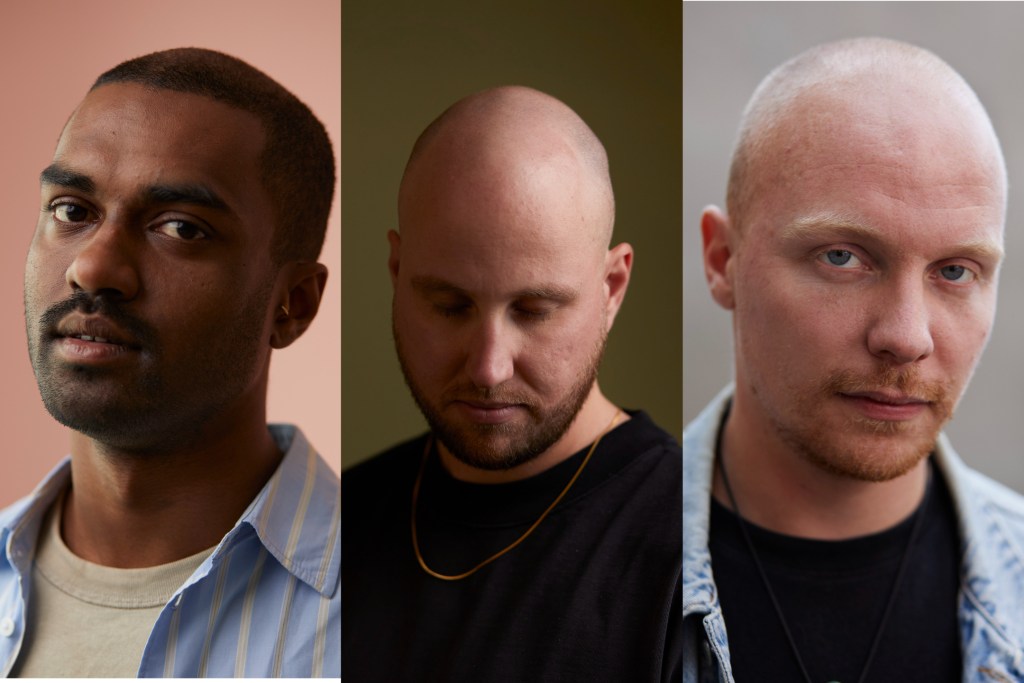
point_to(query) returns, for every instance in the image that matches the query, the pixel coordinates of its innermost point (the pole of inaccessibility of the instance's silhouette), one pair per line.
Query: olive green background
(618, 64)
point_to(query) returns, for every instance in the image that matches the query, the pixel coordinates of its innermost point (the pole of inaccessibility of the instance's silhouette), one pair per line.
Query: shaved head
(860, 254)
(868, 82)
(500, 142)
(505, 287)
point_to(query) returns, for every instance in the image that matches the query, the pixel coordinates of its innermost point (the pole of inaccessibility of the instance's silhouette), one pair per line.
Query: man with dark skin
(530, 536)
(162, 273)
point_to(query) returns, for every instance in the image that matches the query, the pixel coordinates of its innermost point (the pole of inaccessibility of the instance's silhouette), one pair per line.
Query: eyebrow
(189, 193)
(428, 284)
(55, 174)
(805, 228)
(183, 193)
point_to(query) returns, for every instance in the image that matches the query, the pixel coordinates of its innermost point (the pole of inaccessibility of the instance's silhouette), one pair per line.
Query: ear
(618, 265)
(395, 240)
(718, 256)
(298, 304)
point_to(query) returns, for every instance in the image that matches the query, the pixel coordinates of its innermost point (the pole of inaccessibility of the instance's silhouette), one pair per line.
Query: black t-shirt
(594, 594)
(833, 593)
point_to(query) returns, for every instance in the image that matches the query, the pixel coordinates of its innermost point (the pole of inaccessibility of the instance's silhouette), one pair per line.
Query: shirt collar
(297, 514)
(992, 568)
(19, 523)
(699, 594)
(989, 517)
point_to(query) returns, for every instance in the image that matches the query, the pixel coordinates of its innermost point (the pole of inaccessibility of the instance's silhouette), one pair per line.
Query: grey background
(618, 65)
(728, 48)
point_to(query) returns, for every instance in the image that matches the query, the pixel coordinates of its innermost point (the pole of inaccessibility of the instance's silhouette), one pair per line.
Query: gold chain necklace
(526, 534)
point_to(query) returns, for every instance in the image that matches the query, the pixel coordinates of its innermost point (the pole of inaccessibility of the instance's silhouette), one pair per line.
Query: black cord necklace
(897, 582)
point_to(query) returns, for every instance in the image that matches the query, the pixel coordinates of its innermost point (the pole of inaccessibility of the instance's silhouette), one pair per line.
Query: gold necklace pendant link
(526, 534)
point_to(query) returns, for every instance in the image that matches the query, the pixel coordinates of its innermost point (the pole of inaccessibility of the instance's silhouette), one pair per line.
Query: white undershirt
(87, 620)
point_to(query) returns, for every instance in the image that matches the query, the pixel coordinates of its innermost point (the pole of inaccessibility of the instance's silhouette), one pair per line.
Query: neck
(780, 490)
(144, 509)
(590, 423)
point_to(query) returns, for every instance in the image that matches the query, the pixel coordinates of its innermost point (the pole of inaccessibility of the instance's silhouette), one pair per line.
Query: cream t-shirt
(86, 620)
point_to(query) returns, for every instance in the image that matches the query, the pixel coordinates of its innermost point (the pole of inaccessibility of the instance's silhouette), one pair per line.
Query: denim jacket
(990, 602)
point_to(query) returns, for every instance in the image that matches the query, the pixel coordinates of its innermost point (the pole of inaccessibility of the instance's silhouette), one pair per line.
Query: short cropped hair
(296, 163)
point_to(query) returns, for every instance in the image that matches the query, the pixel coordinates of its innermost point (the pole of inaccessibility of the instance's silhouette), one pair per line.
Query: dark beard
(471, 446)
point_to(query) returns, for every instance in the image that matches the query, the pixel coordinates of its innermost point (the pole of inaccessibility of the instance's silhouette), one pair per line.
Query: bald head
(867, 91)
(508, 148)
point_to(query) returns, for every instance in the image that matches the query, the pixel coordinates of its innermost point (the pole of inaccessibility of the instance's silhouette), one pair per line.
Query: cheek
(960, 337)
(45, 275)
(789, 330)
(553, 357)
(429, 347)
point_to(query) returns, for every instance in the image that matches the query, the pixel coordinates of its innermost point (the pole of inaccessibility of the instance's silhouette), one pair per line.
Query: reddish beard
(905, 381)
(860, 447)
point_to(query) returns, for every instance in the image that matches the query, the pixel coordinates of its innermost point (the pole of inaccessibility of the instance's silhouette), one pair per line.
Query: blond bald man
(529, 536)
(831, 533)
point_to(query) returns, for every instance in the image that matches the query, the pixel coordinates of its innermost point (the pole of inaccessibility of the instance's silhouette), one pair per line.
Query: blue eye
(840, 258)
(957, 273)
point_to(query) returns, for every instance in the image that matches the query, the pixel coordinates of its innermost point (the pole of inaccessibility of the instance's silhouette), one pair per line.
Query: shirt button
(6, 627)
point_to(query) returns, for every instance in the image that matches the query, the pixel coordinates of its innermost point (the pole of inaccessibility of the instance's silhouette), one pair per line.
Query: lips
(488, 405)
(95, 329)
(887, 406)
(888, 397)
(488, 412)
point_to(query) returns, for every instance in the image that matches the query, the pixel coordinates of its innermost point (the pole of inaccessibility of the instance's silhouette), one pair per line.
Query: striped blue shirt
(265, 603)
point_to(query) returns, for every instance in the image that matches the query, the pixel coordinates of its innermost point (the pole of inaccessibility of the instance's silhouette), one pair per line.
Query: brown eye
(181, 230)
(70, 213)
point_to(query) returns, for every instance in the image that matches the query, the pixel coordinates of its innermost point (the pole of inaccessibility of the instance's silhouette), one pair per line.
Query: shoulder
(991, 513)
(979, 499)
(643, 437)
(370, 487)
(997, 497)
(10, 515)
(26, 511)
(642, 478)
(991, 521)
(404, 456)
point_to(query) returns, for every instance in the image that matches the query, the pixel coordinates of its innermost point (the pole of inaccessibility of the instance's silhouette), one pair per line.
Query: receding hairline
(834, 67)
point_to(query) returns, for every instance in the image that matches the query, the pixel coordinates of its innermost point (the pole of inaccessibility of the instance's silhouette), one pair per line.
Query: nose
(490, 360)
(104, 263)
(900, 329)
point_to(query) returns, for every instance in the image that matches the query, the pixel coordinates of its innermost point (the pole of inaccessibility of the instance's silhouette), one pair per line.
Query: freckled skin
(889, 315)
(927, 182)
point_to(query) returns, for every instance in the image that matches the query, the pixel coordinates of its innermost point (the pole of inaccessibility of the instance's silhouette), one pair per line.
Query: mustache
(83, 302)
(906, 381)
(498, 394)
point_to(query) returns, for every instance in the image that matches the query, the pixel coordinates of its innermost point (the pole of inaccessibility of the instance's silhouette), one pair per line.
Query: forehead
(487, 231)
(125, 134)
(909, 170)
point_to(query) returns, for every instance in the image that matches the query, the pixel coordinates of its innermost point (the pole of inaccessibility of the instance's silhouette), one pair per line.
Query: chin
(876, 459)
(494, 448)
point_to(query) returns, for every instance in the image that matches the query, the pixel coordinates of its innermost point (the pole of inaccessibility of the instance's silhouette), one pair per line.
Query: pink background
(50, 53)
